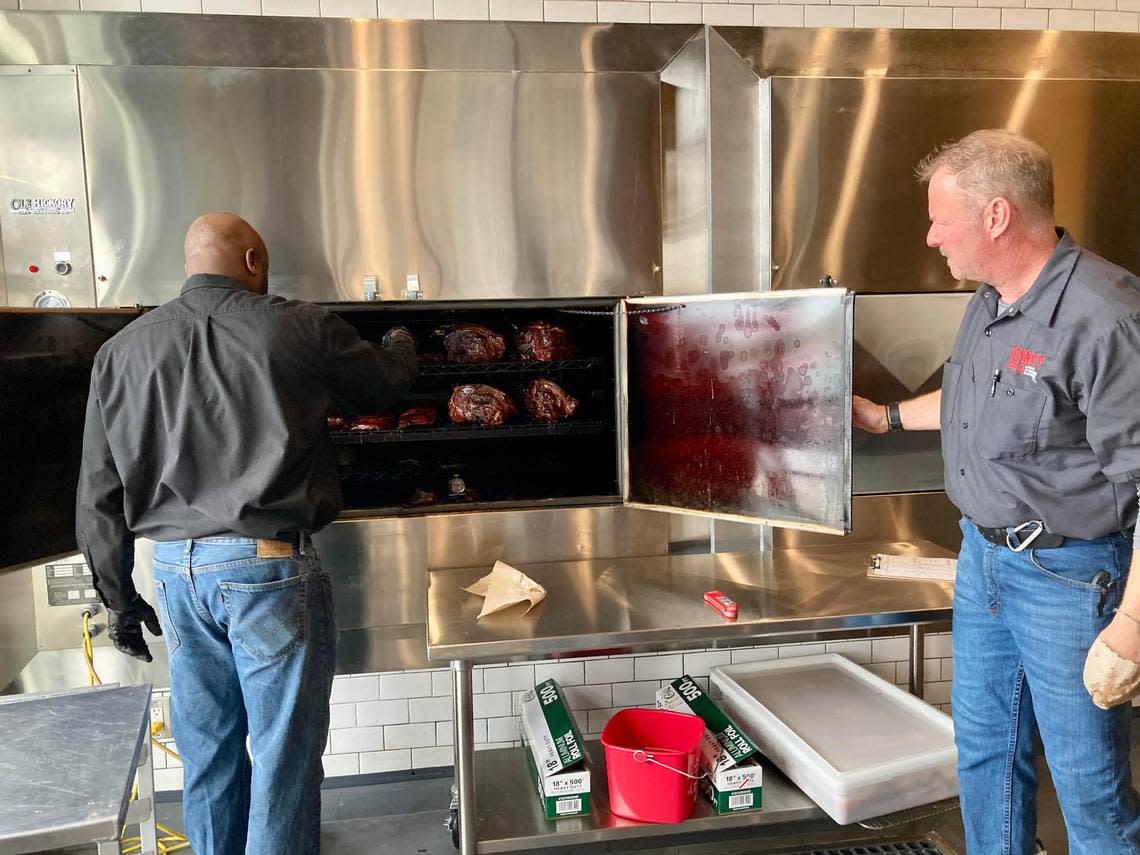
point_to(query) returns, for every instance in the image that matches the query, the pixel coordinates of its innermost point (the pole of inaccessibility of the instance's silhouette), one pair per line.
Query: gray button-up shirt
(207, 416)
(1041, 406)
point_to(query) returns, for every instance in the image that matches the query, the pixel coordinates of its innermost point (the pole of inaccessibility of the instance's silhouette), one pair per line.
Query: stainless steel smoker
(504, 171)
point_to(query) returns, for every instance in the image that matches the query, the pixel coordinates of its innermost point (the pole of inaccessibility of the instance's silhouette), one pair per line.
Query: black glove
(398, 333)
(124, 628)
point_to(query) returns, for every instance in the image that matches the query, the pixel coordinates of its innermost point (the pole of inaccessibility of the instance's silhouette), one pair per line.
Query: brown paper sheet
(504, 587)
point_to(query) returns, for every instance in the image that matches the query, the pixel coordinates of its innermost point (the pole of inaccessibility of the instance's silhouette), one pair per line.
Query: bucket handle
(640, 755)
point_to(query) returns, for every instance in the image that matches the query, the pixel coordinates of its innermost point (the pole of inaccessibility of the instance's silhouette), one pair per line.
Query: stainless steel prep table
(653, 603)
(68, 765)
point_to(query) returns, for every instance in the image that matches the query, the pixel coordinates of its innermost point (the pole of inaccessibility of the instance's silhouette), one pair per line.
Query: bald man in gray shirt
(206, 433)
(1040, 417)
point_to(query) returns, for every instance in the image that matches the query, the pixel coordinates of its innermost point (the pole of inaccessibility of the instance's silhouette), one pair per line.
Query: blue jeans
(252, 644)
(1023, 624)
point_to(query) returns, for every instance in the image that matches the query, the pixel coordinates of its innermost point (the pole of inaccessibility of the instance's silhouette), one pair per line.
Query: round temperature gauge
(50, 300)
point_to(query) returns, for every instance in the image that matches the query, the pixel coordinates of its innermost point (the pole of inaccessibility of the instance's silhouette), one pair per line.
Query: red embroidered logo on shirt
(1025, 361)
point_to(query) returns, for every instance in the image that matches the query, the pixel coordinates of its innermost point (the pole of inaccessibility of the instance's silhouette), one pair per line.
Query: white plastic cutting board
(857, 745)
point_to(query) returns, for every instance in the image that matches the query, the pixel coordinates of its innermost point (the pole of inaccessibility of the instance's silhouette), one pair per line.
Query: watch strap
(894, 417)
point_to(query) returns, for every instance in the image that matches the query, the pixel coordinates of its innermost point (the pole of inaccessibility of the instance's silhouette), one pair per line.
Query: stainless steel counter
(67, 767)
(617, 605)
(635, 603)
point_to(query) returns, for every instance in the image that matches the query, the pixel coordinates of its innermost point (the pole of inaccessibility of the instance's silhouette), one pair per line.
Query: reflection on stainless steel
(788, 52)
(226, 41)
(377, 570)
(904, 341)
(381, 648)
(740, 407)
(54, 670)
(853, 111)
(526, 537)
(379, 573)
(510, 819)
(17, 623)
(379, 567)
(738, 257)
(901, 343)
(69, 766)
(905, 516)
(846, 200)
(376, 187)
(684, 152)
(43, 200)
(631, 602)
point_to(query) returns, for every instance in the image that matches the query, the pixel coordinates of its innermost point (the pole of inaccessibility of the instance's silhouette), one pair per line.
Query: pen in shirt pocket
(994, 382)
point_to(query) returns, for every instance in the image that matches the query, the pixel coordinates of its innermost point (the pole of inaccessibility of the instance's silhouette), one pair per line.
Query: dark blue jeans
(1023, 624)
(252, 645)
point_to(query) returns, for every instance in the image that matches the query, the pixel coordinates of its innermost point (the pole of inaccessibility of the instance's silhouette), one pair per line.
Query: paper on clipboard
(905, 567)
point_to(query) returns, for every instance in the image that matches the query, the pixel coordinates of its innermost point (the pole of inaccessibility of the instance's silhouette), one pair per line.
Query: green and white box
(736, 789)
(734, 778)
(556, 754)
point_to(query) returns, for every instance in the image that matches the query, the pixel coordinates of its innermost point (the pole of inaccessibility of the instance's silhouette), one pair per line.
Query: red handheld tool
(724, 605)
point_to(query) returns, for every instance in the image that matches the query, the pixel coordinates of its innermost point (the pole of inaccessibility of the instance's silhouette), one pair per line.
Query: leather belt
(283, 548)
(1000, 537)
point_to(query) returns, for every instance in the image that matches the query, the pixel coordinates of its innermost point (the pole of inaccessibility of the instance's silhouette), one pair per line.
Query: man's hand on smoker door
(867, 415)
(124, 628)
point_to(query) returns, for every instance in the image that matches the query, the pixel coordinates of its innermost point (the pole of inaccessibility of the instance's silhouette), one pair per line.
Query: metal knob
(63, 267)
(50, 300)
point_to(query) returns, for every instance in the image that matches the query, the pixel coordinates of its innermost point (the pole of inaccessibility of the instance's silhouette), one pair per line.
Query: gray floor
(407, 818)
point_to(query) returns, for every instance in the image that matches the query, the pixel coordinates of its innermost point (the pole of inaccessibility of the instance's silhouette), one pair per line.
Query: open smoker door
(738, 406)
(46, 356)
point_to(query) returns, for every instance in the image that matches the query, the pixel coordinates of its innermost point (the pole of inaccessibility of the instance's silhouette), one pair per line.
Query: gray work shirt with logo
(1041, 406)
(207, 416)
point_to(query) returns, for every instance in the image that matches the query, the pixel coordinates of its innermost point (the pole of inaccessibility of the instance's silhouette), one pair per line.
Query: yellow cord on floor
(172, 841)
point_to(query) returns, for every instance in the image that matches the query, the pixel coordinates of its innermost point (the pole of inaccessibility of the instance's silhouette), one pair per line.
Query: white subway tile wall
(188, 7)
(461, 10)
(516, 10)
(1104, 15)
(345, 8)
(231, 7)
(118, 6)
(570, 10)
(297, 8)
(411, 9)
(674, 13)
(623, 12)
(778, 16)
(375, 728)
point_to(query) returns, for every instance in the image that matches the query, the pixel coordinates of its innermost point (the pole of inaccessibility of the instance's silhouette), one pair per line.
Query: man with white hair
(1040, 417)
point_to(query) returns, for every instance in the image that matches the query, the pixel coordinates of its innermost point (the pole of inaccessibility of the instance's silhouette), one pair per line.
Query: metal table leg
(464, 730)
(147, 827)
(917, 659)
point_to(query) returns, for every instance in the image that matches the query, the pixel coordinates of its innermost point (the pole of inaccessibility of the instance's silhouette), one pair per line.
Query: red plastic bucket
(651, 763)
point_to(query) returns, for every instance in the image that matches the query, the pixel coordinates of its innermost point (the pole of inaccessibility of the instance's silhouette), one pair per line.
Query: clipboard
(883, 566)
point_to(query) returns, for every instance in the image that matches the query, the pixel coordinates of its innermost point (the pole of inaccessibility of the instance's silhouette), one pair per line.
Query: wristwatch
(894, 417)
